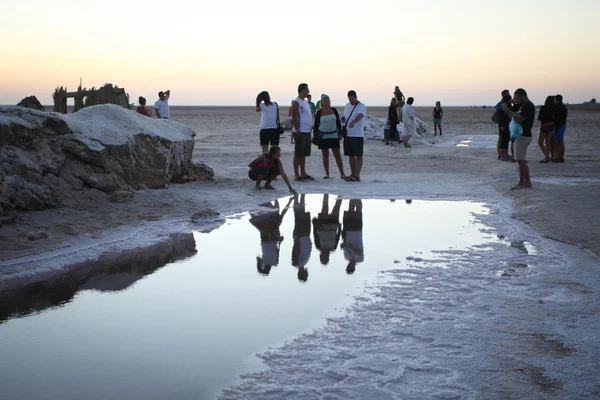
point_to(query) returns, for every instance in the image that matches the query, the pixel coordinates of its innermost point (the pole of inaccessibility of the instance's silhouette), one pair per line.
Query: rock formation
(31, 102)
(46, 158)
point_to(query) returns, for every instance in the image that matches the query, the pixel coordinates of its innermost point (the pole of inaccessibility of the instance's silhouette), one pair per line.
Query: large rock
(46, 157)
(31, 102)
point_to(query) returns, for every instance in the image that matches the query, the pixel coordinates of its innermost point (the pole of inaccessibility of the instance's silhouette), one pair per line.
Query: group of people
(327, 232)
(516, 116)
(323, 126)
(161, 106)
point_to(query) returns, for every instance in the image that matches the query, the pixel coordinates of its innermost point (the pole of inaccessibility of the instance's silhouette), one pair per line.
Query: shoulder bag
(344, 131)
(279, 129)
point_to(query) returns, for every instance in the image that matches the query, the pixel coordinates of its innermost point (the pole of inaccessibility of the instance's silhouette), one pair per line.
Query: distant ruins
(107, 94)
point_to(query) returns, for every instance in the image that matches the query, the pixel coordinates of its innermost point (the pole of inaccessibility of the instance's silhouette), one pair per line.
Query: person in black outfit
(504, 131)
(438, 114)
(560, 126)
(525, 117)
(546, 118)
(393, 120)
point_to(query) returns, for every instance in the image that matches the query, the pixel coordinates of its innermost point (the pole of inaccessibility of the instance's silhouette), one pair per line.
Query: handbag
(496, 116)
(515, 128)
(316, 138)
(344, 131)
(279, 129)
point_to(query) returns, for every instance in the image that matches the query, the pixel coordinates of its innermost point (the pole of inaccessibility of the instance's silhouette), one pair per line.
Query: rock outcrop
(46, 158)
(31, 102)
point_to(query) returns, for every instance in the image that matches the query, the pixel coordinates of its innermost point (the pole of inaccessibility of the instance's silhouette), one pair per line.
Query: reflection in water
(327, 229)
(113, 272)
(302, 248)
(353, 235)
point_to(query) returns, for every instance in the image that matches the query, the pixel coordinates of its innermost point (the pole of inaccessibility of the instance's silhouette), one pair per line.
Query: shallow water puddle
(473, 141)
(184, 319)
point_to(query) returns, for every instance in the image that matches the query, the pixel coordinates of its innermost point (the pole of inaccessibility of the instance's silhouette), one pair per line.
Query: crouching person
(267, 167)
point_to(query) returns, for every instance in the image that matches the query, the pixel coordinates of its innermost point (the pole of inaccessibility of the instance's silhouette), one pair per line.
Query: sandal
(308, 178)
(344, 177)
(269, 187)
(299, 179)
(326, 177)
(352, 178)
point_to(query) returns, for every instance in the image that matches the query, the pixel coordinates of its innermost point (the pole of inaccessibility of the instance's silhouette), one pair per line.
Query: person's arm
(285, 178)
(338, 122)
(518, 117)
(168, 94)
(358, 118)
(256, 162)
(157, 111)
(296, 116)
(317, 121)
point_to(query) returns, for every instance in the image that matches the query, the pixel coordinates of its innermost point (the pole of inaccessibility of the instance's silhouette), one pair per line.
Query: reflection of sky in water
(187, 330)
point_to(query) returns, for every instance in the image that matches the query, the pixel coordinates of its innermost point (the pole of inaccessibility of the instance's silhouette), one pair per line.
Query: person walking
(560, 126)
(354, 140)
(525, 117)
(161, 106)
(327, 128)
(393, 121)
(438, 114)
(408, 118)
(269, 119)
(546, 118)
(302, 118)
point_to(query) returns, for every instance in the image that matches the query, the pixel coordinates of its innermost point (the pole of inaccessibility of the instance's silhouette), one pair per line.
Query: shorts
(353, 221)
(267, 172)
(504, 137)
(547, 129)
(269, 136)
(302, 223)
(409, 129)
(437, 121)
(354, 146)
(521, 144)
(302, 144)
(559, 134)
(329, 144)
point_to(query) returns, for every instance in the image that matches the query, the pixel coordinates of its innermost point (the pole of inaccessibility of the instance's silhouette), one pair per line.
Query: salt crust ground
(551, 311)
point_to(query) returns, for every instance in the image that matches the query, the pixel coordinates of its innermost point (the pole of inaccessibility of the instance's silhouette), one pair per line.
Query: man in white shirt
(353, 236)
(355, 136)
(162, 105)
(302, 248)
(302, 118)
(408, 118)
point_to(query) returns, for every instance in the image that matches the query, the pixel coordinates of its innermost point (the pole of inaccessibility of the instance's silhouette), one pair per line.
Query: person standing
(408, 118)
(161, 106)
(504, 136)
(546, 118)
(313, 107)
(142, 109)
(302, 119)
(353, 236)
(525, 117)
(328, 127)
(399, 95)
(560, 126)
(438, 114)
(392, 117)
(354, 141)
(269, 118)
(498, 109)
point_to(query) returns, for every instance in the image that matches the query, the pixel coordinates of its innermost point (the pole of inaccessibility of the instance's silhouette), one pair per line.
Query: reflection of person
(266, 167)
(352, 235)
(327, 229)
(270, 237)
(302, 244)
(161, 106)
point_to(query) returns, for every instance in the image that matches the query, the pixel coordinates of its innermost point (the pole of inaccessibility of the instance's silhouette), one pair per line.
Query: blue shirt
(499, 105)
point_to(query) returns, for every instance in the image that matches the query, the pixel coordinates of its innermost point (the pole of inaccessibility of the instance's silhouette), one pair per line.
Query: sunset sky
(461, 52)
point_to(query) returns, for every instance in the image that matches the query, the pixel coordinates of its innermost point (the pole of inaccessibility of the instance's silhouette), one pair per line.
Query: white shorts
(409, 130)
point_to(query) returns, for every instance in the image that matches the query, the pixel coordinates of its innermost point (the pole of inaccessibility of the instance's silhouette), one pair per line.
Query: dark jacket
(338, 123)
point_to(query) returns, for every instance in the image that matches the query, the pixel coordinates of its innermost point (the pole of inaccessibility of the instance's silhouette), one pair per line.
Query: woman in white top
(268, 121)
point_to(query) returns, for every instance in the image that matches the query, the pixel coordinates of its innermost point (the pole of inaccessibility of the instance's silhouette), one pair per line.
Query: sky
(461, 52)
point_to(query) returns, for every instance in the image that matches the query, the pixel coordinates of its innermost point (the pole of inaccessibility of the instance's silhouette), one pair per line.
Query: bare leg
(270, 179)
(561, 150)
(325, 153)
(352, 160)
(544, 149)
(524, 178)
(296, 167)
(302, 165)
(259, 179)
(435, 129)
(440, 125)
(358, 166)
(512, 149)
(338, 161)
(265, 148)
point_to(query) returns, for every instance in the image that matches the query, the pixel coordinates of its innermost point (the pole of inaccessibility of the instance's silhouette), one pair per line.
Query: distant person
(293, 135)
(302, 119)
(560, 126)
(408, 118)
(504, 130)
(546, 136)
(313, 107)
(393, 121)
(498, 109)
(268, 225)
(438, 114)
(302, 248)
(142, 109)
(319, 102)
(525, 117)
(328, 127)
(269, 119)
(327, 229)
(161, 106)
(354, 125)
(267, 167)
(353, 236)
(399, 95)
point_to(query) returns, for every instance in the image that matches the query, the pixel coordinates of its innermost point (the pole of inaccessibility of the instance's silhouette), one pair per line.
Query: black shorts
(353, 146)
(269, 136)
(302, 224)
(254, 173)
(329, 144)
(353, 221)
(302, 144)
